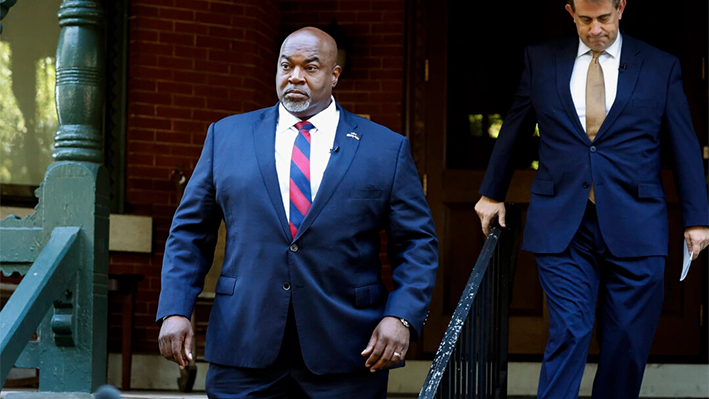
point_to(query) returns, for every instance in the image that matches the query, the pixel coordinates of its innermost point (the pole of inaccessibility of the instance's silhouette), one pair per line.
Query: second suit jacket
(623, 162)
(330, 271)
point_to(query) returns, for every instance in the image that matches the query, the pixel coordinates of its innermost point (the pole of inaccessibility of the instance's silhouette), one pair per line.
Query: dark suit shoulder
(645, 50)
(245, 118)
(554, 45)
(659, 62)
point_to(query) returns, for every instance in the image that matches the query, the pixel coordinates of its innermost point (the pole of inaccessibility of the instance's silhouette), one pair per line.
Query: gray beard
(296, 106)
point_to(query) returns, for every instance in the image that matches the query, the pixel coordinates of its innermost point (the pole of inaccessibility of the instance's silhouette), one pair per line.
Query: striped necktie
(300, 196)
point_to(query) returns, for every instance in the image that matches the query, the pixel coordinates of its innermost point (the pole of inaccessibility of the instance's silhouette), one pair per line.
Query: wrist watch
(404, 322)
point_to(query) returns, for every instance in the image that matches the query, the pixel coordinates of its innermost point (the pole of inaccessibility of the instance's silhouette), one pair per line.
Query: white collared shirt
(610, 62)
(322, 138)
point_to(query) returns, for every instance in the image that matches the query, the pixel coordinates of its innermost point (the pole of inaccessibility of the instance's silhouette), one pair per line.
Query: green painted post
(71, 354)
(75, 193)
(80, 82)
(73, 335)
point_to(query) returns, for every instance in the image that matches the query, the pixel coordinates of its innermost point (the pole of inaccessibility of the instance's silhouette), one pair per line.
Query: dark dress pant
(289, 378)
(629, 294)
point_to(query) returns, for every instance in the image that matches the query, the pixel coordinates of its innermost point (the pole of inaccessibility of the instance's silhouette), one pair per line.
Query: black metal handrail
(471, 361)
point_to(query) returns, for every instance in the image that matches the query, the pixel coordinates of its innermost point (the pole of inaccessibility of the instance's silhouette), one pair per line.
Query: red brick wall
(374, 31)
(192, 63)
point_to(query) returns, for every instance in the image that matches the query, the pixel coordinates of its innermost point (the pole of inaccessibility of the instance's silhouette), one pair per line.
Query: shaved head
(317, 37)
(307, 71)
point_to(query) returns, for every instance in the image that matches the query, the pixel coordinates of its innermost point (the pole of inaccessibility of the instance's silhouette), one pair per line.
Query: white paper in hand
(686, 261)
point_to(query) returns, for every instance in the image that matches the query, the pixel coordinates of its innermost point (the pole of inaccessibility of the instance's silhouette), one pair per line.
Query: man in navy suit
(304, 189)
(597, 220)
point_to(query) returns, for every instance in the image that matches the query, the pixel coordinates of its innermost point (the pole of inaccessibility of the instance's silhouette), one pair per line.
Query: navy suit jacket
(332, 266)
(623, 161)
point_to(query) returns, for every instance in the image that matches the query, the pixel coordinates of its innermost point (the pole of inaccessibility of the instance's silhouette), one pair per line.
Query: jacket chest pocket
(366, 194)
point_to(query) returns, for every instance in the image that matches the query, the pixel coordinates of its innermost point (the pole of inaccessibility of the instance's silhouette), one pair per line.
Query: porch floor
(202, 395)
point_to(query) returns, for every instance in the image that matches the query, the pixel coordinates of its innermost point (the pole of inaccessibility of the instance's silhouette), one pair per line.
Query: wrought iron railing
(471, 361)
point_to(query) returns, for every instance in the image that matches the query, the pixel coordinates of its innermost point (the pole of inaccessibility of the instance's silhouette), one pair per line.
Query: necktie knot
(595, 55)
(304, 126)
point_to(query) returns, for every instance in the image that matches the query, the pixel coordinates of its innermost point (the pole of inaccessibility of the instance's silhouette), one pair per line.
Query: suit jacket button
(294, 248)
(586, 185)
(286, 286)
(593, 148)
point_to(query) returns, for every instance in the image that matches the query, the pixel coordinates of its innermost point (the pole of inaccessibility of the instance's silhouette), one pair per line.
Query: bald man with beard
(304, 188)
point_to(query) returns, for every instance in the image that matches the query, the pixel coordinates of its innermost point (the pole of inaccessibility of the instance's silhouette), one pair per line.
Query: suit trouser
(629, 293)
(289, 378)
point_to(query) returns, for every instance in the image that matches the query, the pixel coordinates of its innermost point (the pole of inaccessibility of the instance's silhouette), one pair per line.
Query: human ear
(336, 71)
(570, 10)
(621, 8)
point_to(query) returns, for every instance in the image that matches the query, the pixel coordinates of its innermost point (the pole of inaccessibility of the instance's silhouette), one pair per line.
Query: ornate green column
(80, 82)
(75, 193)
(71, 353)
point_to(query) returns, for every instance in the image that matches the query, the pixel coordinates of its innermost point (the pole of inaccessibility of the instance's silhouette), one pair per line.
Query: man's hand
(697, 239)
(488, 209)
(389, 339)
(176, 340)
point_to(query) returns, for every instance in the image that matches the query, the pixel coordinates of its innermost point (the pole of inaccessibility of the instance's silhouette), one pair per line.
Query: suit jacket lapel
(565, 60)
(264, 134)
(338, 165)
(630, 61)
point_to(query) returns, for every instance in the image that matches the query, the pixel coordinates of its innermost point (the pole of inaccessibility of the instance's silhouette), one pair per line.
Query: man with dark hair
(597, 220)
(304, 189)
(573, 5)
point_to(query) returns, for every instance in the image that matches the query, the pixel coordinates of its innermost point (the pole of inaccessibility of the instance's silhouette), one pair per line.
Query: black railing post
(471, 361)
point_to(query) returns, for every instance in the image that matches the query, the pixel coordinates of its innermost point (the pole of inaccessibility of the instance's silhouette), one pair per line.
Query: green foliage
(45, 113)
(480, 123)
(12, 122)
(16, 129)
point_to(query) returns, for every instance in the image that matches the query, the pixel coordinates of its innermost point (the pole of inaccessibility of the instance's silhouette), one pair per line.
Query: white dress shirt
(322, 138)
(610, 62)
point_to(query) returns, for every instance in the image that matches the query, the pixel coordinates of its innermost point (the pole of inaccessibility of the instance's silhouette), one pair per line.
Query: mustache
(298, 91)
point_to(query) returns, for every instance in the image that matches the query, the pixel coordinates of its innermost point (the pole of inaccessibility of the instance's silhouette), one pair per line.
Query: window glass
(484, 65)
(28, 117)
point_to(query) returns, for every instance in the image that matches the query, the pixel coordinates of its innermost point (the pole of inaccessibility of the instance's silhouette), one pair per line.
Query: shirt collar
(321, 120)
(613, 50)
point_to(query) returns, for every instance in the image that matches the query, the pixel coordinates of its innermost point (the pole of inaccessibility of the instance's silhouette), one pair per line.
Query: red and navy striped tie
(300, 196)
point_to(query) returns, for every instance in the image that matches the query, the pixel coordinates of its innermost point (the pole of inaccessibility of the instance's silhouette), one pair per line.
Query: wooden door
(470, 57)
